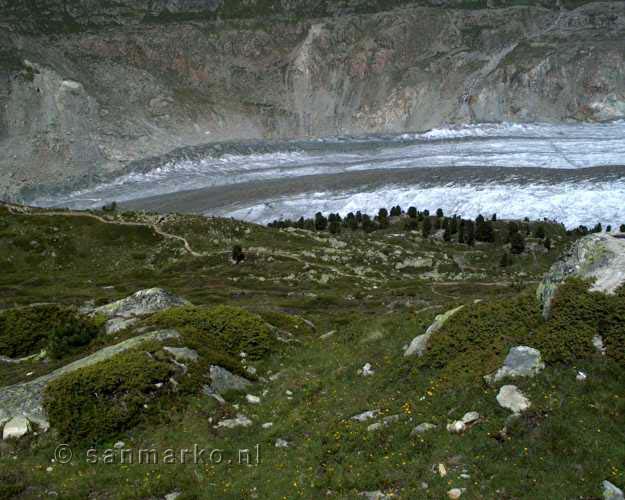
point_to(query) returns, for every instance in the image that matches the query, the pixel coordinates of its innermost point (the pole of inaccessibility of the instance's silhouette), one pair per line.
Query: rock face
(521, 361)
(142, 303)
(419, 344)
(511, 398)
(132, 79)
(25, 400)
(599, 256)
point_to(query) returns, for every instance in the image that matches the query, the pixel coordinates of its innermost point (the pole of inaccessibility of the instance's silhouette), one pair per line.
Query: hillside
(88, 88)
(309, 353)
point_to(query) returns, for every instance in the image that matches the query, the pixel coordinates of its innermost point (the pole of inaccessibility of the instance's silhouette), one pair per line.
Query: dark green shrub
(96, 402)
(70, 336)
(26, 330)
(223, 328)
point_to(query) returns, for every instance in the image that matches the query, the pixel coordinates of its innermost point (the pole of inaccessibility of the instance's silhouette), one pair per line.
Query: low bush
(475, 341)
(223, 329)
(70, 336)
(98, 401)
(25, 331)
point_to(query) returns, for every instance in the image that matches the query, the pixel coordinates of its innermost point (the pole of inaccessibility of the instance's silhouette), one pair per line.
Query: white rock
(374, 495)
(422, 428)
(252, 399)
(455, 493)
(511, 398)
(173, 495)
(367, 415)
(240, 421)
(182, 353)
(611, 492)
(366, 370)
(581, 377)
(267, 425)
(442, 470)
(457, 427)
(119, 445)
(471, 417)
(597, 342)
(328, 335)
(281, 443)
(49, 469)
(16, 428)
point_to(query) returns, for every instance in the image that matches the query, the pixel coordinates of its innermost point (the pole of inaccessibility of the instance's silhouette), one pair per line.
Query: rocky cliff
(86, 87)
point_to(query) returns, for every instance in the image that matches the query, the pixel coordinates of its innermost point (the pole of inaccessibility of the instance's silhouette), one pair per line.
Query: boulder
(142, 303)
(419, 344)
(511, 398)
(422, 428)
(16, 428)
(223, 381)
(599, 256)
(367, 415)
(611, 492)
(521, 361)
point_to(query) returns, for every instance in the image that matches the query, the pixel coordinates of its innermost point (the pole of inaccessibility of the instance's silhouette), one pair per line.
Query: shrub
(475, 341)
(95, 402)
(237, 254)
(26, 330)
(71, 335)
(517, 243)
(223, 328)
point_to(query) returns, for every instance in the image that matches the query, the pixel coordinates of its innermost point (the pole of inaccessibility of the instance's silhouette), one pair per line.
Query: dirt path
(14, 209)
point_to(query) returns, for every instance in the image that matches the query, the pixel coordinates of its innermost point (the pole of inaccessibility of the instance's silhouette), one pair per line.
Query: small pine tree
(494, 217)
(622, 228)
(453, 226)
(447, 233)
(461, 232)
(505, 260)
(412, 212)
(335, 227)
(469, 236)
(383, 217)
(608, 228)
(539, 232)
(426, 229)
(321, 223)
(439, 212)
(411, 224)
(237, 254)
(517, 243)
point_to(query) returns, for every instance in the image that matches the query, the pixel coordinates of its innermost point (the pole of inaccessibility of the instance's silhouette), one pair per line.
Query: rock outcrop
(419, 344)
(142, 303)
(597, 256)
(133, 79)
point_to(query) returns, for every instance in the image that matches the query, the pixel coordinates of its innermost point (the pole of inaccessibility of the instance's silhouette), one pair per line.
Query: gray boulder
(422, 428)
(223, 380)
(521, 361)
(599, 256)
(419, 344)
(115, 325)
(611, 492)
(141, 303)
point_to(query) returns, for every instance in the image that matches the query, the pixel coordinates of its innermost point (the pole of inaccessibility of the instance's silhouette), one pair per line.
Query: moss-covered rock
(101, 400)
(227, 329)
